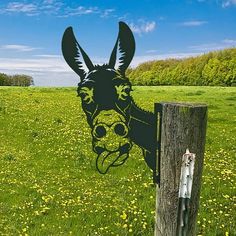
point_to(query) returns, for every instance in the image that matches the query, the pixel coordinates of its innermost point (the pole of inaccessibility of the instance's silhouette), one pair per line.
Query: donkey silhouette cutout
(116, 121)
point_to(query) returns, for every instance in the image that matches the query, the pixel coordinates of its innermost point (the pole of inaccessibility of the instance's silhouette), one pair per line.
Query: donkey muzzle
(110, 140)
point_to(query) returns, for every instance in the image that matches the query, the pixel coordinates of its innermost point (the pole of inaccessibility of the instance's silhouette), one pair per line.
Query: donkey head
(105, 95)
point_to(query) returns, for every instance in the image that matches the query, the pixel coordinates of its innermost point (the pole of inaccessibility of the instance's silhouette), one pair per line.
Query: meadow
(49, 184)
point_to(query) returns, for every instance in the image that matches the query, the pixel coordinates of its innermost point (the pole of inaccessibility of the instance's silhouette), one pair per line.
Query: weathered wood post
(183, 127)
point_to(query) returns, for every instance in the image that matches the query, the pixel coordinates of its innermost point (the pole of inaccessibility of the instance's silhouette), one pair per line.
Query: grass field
(49, 184)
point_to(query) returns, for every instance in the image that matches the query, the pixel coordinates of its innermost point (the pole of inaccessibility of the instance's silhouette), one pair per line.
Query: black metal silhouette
(115, 120)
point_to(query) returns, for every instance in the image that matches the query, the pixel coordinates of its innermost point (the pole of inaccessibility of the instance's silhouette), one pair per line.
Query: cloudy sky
(31, 32)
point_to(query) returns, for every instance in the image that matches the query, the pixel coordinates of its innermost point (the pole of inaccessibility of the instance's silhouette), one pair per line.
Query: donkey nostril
(100, 131)
(120, 129)
(99, 149)
(125, 148)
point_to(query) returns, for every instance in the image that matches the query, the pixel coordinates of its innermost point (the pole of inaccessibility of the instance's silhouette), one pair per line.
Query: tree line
(16, 80)
(212, 69)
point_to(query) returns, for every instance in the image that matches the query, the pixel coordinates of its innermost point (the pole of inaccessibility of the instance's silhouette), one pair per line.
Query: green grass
(49, 184)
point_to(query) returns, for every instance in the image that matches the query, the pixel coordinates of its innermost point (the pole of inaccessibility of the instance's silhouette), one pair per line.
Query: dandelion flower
(123, 216)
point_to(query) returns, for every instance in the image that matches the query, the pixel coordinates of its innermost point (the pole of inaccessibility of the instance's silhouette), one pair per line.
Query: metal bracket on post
(157, 170)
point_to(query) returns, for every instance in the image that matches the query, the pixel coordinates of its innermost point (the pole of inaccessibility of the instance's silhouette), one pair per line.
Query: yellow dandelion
(123, 216)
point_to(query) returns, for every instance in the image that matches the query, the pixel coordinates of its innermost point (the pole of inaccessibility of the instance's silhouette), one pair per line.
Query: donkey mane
(141, 125)
(104, 66)
(145, 115)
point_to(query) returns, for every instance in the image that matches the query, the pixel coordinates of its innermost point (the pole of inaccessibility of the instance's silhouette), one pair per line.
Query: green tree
(214, 68)
(16, 80)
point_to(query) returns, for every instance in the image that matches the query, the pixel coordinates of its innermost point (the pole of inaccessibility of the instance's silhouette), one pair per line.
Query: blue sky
(31, 32)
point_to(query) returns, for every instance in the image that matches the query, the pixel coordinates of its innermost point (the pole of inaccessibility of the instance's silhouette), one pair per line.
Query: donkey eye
(123, 91)
(86, 94)
(127, 90)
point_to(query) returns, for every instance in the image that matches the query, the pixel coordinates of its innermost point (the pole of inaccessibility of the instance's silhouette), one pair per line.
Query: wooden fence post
(183, 127)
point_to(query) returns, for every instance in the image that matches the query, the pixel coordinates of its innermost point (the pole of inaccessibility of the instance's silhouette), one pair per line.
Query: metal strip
(158, 115)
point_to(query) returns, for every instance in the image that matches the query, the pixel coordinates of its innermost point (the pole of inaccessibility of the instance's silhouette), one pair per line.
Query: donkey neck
(142, 127)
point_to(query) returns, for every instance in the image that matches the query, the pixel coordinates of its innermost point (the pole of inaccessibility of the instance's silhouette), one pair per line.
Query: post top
(182, 104)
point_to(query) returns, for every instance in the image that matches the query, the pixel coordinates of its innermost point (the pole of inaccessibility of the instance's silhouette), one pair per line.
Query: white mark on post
(186, 176)
(185, 188)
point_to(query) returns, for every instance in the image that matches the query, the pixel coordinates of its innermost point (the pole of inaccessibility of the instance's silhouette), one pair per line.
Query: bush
(211, 69)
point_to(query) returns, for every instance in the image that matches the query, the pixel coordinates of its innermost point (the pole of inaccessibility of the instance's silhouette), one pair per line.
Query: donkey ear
(126, 46)
(72, 52)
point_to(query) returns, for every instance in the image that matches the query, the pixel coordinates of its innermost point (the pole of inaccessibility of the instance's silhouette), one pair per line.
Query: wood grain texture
(183, 126)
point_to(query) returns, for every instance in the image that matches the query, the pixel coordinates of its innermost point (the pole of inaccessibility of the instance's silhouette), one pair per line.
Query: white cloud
(52, 7)
(48, 1)
(21, 7)
(34, 65)
(143, 27)
(80, 10)
(46, 71)
(18, 47)
(107, 13)
(223, 3)
(229, 41)
(48, 55)
(207, 47)
(29, 9)
(193, 23)
(228, 3)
